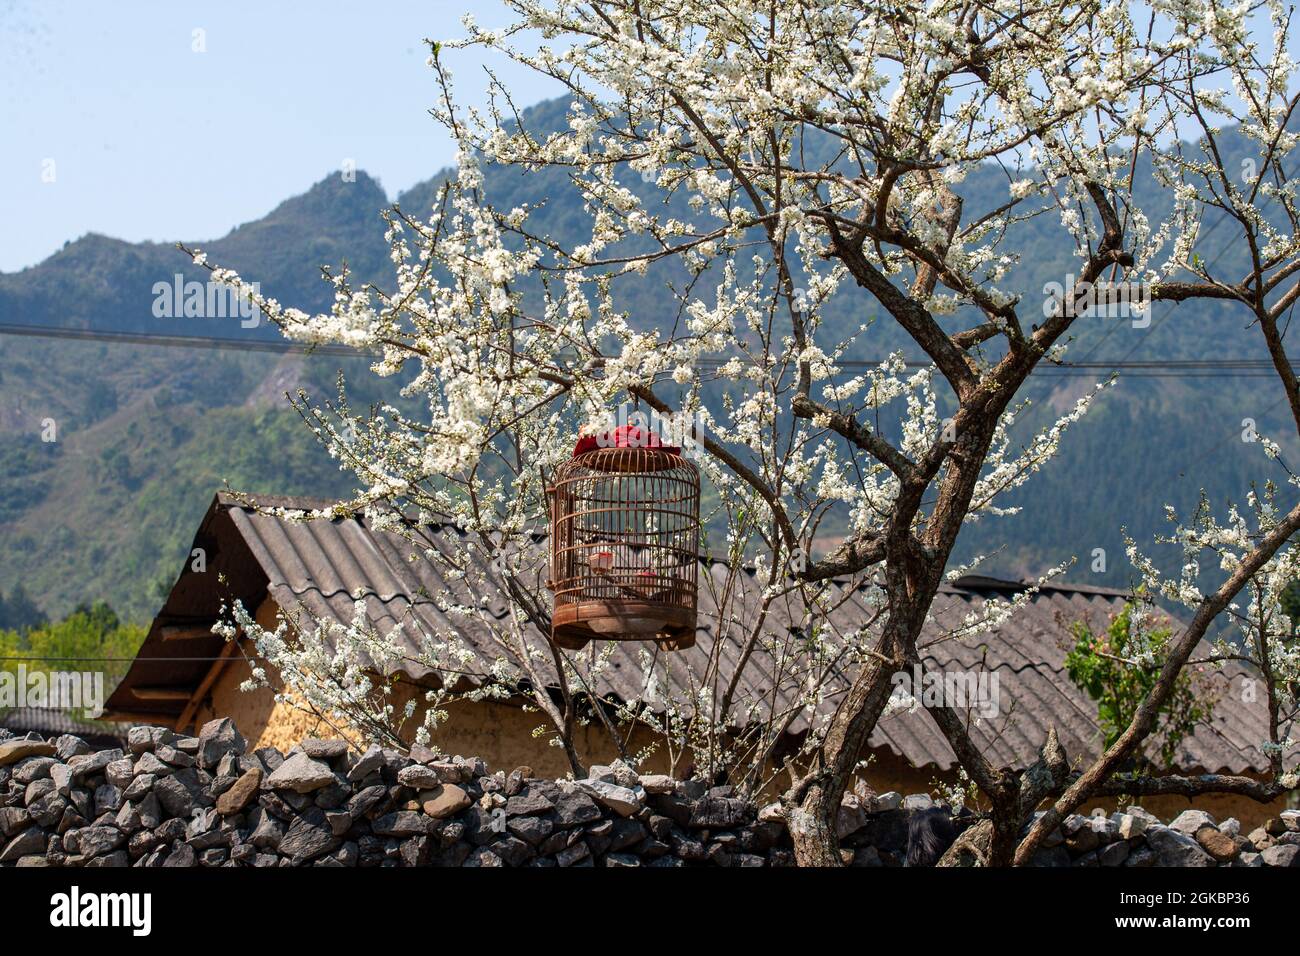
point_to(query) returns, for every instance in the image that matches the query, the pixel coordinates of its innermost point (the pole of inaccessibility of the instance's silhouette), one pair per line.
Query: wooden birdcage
(625, 530)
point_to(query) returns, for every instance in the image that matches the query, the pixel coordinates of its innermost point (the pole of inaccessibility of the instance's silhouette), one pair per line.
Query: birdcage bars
(624, 547)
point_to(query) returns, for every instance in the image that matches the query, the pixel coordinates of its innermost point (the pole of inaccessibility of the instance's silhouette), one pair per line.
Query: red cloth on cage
(625, 436)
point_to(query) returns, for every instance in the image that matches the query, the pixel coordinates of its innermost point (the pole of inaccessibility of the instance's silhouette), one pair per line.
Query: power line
(1207, 368)
(178, 341)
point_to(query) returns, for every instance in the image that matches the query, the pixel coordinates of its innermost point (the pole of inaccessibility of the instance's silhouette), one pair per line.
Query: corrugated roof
(51, 722)
(322, 567)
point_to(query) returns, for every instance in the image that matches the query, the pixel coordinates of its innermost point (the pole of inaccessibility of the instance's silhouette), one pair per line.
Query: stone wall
(171, 800)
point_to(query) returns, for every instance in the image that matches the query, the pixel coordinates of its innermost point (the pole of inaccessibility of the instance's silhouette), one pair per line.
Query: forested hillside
(146, 434)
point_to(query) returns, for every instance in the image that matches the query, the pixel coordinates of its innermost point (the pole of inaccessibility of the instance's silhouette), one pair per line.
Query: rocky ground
(170, 800)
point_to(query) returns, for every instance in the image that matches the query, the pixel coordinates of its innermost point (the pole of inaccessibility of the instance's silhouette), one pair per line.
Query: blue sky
(151, 140)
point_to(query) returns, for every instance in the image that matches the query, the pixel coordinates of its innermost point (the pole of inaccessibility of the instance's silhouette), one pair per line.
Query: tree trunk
(813, 804)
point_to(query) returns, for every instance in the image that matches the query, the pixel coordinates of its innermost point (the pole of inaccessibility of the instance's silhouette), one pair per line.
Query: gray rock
(1189, 821)
(141, 842)
(417, 777)
(88, 764)
(573, 807)
(364, 800)
(470, 767)
(150, 765)
(1149, 817)
(1113, 854)
(403, 823)
(513, 851)
(422, 754)
(367, 763)
(416, 851)
(48, 810)
(66, 746)
(853, 816)
(173, 757)
(268, 831)
(1129, 825)
(33, 768)
(108, 799)
(622, 800)
(98, 840)
(270, 758)
(530, 828)
(626, 833)
(1142, 856)
(61, 774)
(1107, 829)
(623, 860)
(917, 801)
(527, 802)
(573, 855)
(181, 855)
(203, 832)
(1283, 855)
(301, 774)
(450, 772)
(120, 773)
(308, 837)
(720, 812)
(176, 798)
(317, 749)
(885, 802)
(688, 849)
(1174, 848)
(30, 841)
(13, 819)
(151, 814)
(128, 818)
(659, 783)
(37, 789)
(216, 739)
(483, 856)
(1083, 840)
(171, 830)
(145, 739)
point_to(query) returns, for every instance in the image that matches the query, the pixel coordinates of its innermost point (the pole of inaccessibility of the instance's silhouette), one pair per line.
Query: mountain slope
(147, 434)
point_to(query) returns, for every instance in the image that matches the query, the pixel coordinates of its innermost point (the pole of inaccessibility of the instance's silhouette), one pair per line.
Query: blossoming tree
(758, 160)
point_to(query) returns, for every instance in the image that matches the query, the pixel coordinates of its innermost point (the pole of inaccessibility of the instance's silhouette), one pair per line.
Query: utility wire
(1207, 368)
